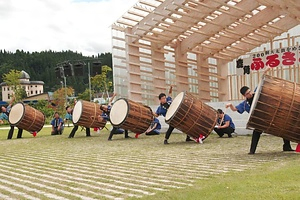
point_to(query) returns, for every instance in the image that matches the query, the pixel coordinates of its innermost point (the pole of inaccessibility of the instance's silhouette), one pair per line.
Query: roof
(24, 75)
(223, 29)
(26, 82)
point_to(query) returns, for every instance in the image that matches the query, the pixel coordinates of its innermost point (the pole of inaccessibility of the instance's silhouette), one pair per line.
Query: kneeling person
(224, 125)
(57, 125)
(154, 128)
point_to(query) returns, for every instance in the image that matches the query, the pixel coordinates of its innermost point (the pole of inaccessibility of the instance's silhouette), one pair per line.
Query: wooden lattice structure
(189, 43)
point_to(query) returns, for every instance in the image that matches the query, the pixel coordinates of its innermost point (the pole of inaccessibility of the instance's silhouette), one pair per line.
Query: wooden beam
(194, 39)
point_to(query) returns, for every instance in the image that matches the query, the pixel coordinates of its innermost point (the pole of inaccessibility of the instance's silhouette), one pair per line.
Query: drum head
(118, 112)
(77, 110)
(16, 113)
(256, 96)
(174, 106)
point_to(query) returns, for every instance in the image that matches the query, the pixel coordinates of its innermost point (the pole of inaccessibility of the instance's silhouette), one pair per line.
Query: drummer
(105, 115)
(246, 106)
(165, 103)
(75, 128)
(225, 124)
(4, 116)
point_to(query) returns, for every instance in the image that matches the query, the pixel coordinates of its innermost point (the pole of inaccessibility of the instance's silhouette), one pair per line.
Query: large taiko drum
(191, 116)
(276, 108)
(26, 117)
(130, 115)
(87, 114)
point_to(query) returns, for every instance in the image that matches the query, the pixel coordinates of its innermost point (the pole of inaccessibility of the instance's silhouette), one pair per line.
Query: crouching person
(57, 125)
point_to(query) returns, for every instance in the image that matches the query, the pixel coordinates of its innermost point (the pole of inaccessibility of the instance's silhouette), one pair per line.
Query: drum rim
(128, 106)
(256, 97)
(80, 113)
(15, 124)
(184, 93)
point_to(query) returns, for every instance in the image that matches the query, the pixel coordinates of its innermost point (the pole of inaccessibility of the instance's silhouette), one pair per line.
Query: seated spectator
(224, 125)
(154, 128)
(57, 125)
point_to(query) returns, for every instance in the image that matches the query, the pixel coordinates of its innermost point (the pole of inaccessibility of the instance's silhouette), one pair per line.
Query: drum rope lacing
(94, 118)
(275, 114)
(32, 120)
(186, 113)
(292, 103)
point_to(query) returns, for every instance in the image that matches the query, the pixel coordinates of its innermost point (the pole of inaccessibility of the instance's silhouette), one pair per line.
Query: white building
(31, 87)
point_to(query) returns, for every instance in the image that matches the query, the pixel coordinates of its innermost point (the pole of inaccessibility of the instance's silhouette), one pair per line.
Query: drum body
(26, 117)
(130, 115)
(87, 114)
(191, 116)
(276, 108)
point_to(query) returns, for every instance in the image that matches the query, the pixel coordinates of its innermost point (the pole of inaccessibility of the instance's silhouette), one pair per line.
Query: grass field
(56, 167)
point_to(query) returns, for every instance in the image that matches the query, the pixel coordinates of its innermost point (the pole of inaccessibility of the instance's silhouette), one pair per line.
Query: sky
(76, 25)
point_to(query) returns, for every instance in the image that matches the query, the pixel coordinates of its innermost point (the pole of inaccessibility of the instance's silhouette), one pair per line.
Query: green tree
(12, 80)
(41, 66)
(21, 92)
(60, 97)
(44, 107)
(85, 95)
(101, 82)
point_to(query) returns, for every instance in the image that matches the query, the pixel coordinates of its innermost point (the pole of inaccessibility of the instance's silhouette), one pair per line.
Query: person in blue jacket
(154, 128)
(57, 125)
(224, 125)
(75, 128)
(246, 106)
(4, 116)
(162, 109)
(105, 115)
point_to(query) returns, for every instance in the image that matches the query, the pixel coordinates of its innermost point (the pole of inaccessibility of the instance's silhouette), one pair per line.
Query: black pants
(222, 131)
(56, 131)
(115, 131)
(255, 138)
(169, 131)
(11, 132)
(152, 133)
(87, 131)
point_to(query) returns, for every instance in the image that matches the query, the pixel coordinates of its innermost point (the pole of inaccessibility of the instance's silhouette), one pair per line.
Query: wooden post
(182, 83)
(203, 74)
(158, 72)
(223, 80)
(134, 72)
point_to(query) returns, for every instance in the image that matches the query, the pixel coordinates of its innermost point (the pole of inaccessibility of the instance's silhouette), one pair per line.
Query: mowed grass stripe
(123, 166)
(36, 184)
(18, 182)
(15, 192)
(197, 174)
(85, 174)
(54, 183)
(4, 196)
(115, 174)
(75, 176)
(56, 161)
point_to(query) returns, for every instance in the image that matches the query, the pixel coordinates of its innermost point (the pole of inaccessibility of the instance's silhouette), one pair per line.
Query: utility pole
(66, 96)
(90, 86)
